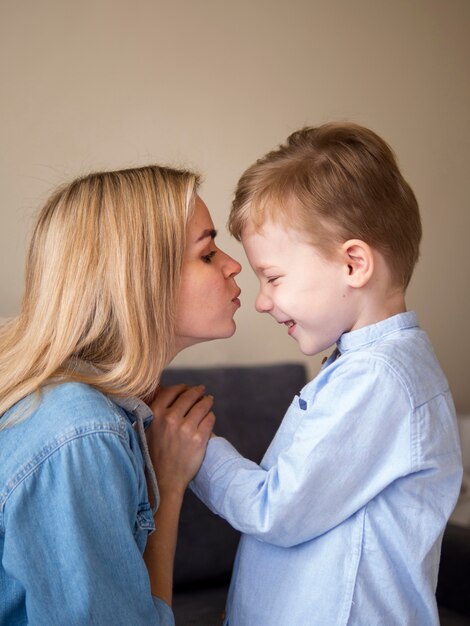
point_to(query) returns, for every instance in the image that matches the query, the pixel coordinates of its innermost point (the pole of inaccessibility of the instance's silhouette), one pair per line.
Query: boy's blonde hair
(334, 182)
(102, 279)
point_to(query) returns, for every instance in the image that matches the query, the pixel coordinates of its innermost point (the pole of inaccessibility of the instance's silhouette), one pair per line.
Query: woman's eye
(207, 258)
(271, 280)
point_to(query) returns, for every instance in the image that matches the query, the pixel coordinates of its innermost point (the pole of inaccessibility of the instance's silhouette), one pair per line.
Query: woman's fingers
(192, 398)
(179, 402)
(206, 425)
(179, 433)
(199, 411)
(166, 396)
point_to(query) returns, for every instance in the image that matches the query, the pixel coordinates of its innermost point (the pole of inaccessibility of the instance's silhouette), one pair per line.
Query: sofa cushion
(453, 587)
(200, 607)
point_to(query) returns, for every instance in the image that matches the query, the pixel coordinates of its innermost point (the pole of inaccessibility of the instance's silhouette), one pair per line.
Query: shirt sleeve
(71, 537)
(353, 441)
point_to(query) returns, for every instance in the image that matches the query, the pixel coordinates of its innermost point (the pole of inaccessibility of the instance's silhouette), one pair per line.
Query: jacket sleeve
(74, 533)
(353, 441)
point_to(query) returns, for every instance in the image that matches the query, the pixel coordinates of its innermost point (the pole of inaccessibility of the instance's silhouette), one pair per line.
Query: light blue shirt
(342, 522)
(75, 515)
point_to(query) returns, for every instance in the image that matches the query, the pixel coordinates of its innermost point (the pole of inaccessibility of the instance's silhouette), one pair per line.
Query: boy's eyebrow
(209, 232)
(265, 268)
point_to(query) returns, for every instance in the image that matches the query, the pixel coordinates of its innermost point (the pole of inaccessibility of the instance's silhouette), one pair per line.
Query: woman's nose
(231, 267)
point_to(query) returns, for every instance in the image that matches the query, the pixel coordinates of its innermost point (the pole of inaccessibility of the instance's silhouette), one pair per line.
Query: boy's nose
(263, 304)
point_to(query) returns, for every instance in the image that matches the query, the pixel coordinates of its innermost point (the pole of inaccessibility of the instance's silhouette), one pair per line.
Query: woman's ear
(358, 261)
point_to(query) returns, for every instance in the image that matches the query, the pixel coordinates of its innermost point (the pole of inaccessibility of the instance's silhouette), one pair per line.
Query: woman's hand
(177, 438)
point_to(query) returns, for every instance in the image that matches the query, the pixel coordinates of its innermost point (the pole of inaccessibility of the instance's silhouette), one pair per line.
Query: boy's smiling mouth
(290, 325)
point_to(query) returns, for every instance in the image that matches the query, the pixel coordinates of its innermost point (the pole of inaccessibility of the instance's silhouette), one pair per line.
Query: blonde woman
(122, 273)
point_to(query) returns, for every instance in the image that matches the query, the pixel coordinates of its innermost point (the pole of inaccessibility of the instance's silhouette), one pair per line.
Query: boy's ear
(358, 261)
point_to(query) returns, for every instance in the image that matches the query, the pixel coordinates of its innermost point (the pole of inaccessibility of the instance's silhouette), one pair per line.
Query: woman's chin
(224, 333)
(183, 342)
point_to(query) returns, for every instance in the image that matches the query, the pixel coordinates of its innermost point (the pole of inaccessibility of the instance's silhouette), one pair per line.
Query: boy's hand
(177, 438)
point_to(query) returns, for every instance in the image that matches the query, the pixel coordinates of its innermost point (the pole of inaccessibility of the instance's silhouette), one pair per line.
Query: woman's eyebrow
(208, 233)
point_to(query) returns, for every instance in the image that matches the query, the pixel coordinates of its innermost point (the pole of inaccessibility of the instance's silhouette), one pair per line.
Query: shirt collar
(132, 405)
(373, 332)
(135, 406)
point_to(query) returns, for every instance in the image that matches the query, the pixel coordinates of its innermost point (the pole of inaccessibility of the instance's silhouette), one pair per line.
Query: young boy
(342, 521)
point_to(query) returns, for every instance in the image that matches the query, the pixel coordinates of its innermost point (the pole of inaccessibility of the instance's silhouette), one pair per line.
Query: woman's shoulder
(69, 431)
(59, 415)
(75, 406)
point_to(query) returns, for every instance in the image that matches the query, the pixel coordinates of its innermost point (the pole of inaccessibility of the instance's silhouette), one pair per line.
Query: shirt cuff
(219, 451)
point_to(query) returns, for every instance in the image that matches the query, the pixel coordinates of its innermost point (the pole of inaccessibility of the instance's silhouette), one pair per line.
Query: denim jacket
(75, 514)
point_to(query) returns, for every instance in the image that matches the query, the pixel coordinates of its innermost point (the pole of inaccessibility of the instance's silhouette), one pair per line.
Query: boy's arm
(346, 448)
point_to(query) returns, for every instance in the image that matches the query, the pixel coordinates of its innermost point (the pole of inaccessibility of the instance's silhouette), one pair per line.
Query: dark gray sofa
(250, 403)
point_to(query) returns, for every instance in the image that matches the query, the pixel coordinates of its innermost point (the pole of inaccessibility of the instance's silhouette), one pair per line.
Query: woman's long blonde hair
(102, 280)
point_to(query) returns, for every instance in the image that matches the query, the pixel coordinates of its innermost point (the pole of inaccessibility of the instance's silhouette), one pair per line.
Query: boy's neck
(378, 305)
(375, 315)
(380, 297)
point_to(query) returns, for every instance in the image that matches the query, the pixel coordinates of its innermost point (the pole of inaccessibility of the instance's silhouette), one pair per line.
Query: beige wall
(213, 84)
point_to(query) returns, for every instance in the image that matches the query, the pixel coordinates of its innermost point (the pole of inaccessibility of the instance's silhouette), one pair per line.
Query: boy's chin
(313, 349)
